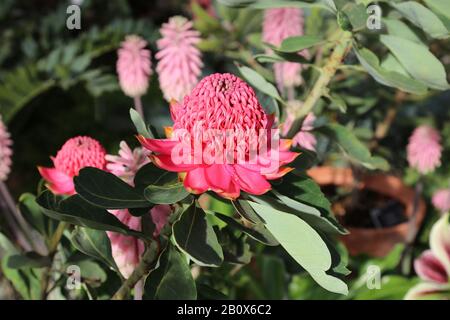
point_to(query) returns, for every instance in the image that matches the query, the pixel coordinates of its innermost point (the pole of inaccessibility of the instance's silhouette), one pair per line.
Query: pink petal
(162, 146)
(58, 182)
(250, 181)
(428, 267)
(195, 181)
(440, 241)
(422, 290)
(219, 178)
(159, 214)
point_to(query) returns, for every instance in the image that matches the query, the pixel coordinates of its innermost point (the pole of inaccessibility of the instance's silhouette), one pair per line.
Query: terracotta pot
(374, 242)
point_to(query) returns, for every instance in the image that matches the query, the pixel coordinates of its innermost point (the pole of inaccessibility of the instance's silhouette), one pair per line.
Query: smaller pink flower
(5, 151)
(279, 24)
(128, 162)
(134, 66)
(433, 266)
(441, 200)
(179, 59)
(304, 138)
(160, 213)
(126, 250)
(424, 149)
(75, 154)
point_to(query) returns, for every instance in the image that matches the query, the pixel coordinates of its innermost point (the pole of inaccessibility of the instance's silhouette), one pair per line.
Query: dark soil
(366, 209)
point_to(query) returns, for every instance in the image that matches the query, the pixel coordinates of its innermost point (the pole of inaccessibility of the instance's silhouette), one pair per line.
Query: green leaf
(167, 194)
(303, 194)
(139, 124)
(420, 63)
(6, 245)
(94, 243)
(355, 149)
(258, 81)
(105, 190)
(441, 9)
(32, 213)
(152, 175)
(28, 260)
(388, 78)
(356, 14)
(195, 236)
(299, 43)
(422, 17)
(26, 281)
(303, 243)
(257, 232)
(77, 211)
(400, 29)
(269, 4)
(246, 211)
(391, 63)
(172, 279)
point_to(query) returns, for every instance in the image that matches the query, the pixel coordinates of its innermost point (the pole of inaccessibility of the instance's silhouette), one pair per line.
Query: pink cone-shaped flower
(128, 162)
(180, 63)
(441, 200)
(433, 266)
(424, 149)
(279, 24)
(219, 110)
(5, 151)
(304, 138)
(75, 154)
(134, 66)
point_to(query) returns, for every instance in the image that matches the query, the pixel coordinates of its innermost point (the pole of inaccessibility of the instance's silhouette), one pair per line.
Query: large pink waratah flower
(180, 63)
(127, 163)
(5, 151)
(304, 138)
(279, 24)
(424, 149)
(75, 154)
(134, 66)
(433, 266)
(220, 110)
(441, 200)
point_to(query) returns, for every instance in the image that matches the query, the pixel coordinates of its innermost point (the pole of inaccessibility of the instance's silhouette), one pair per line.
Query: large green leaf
(195, 236)
(257, 231)
(105, 190)
(258, 81)
(418, 61)
(299, 43)
(389, 78)
(152, 175)
(171, 279)
(304, 244)
(32, 213)
(94, 243)
(77, 211)
(400, 29)
(355, 149)
(166, 194)
(422, 17)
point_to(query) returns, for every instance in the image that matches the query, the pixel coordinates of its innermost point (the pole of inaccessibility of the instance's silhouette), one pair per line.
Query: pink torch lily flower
(179, 60)
(5, 151)
(433, 266)
(279, 24)
(134, 66)
(424, 149)
(441, 200)
(220, 110)
(75, 154)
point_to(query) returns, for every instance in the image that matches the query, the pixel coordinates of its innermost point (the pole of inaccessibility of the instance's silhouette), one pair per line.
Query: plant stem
(143, 268)
(138, 106)
(327, 73)
(17, 224)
